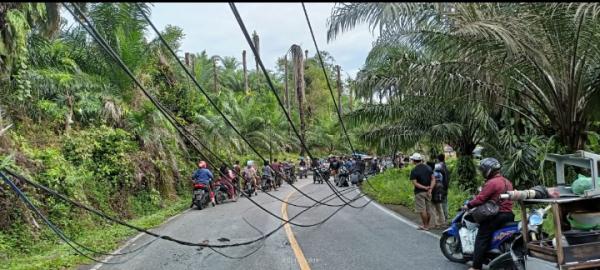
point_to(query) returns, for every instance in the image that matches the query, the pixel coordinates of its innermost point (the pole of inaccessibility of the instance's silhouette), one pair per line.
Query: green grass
(55, 254)
(394, 187)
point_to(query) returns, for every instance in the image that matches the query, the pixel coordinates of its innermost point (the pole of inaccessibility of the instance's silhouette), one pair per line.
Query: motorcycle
(458, 241)
(344, 177)
(320, 175)
(303, 172)
(201, 198)
(356, 178)
(222, 193)
(248, 187)
(290, 176)
(266, 183)
(515, 257)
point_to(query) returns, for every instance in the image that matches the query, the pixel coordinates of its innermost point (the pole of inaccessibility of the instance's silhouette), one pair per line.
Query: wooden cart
(542, 254)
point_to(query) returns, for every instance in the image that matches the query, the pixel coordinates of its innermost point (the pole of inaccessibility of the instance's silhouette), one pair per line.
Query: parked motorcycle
(458, 241)
(201, 198)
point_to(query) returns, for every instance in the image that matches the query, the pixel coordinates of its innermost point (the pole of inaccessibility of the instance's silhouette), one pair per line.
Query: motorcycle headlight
(535, 219)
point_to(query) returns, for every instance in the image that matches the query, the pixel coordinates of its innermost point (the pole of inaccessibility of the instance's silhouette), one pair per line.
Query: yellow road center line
(302, 262)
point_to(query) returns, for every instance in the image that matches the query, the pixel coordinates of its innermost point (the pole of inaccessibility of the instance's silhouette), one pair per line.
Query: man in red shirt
(494, 186)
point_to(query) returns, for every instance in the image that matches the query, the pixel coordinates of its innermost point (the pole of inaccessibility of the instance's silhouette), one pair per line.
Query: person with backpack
(437, 197)
(446, 181)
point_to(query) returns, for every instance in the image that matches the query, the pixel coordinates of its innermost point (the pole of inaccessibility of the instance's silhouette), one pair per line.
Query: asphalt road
(367, 238)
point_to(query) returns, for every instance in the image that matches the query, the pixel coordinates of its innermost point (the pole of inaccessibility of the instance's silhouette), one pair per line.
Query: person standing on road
(422, 178)
(249, 174)
(446, 181)
(437, 197)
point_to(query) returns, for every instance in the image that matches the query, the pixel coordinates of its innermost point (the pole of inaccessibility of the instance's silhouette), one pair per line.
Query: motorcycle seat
(510, 224)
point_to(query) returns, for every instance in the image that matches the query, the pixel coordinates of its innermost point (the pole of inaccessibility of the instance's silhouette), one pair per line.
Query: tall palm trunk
(285, 80)
(298, 62)
(245, 65)
(339, 87)
(256, 41)
(215, 78)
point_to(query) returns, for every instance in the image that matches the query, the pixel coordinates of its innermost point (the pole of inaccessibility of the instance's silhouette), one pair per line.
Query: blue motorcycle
(457, 242)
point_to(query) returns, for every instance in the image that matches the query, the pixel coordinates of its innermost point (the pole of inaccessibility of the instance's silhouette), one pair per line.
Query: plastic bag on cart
(467, 239)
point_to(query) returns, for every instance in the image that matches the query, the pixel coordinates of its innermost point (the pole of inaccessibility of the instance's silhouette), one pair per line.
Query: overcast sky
(212, 27)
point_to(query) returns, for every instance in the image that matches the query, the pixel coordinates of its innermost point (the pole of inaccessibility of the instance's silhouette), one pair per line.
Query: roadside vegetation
(72, 120)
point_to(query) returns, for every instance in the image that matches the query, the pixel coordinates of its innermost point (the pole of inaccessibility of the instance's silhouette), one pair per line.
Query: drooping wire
(73, 244)
(153, 234)
(92, 31)
(231, 124)
(272, 87)
(165, 237)
(338, 112)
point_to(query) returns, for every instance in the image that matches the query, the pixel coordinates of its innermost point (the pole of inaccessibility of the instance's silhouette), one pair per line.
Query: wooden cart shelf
(582, 256)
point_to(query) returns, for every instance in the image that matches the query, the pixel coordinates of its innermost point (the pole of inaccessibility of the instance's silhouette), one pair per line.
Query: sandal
(421, 228)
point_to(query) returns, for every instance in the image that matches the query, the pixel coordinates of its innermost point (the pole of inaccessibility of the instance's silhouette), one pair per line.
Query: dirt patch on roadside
(410, 215)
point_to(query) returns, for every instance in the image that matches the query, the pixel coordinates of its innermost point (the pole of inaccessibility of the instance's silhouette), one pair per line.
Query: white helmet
(416, 156)
(250, 163)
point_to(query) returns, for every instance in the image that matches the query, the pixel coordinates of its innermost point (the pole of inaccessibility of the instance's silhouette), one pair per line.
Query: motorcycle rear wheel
(451, 247)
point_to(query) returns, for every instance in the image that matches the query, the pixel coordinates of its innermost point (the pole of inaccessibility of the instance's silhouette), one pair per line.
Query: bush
(466, 174)
(394, 187)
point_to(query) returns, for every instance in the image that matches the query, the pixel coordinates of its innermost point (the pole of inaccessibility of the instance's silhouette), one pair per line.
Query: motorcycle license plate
(198, 192)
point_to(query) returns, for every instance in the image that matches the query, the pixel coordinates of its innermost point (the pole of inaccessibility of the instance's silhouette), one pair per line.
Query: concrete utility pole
(245, 65)
(339, 86)
(187, 59)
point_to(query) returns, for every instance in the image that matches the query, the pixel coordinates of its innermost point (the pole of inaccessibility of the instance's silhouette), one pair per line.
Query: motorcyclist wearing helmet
(269, 175)
(494, 186)
(249, 174)
(202, 175)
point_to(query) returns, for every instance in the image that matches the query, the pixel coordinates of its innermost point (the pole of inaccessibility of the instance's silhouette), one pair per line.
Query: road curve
(366, 238)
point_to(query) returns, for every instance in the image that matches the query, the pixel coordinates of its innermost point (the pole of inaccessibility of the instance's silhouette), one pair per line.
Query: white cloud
(212, 27)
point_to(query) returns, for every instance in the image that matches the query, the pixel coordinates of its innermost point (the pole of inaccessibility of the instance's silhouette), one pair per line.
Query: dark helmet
(488, 167)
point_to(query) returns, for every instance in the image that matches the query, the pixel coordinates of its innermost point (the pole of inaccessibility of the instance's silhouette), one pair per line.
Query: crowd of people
(267, 178)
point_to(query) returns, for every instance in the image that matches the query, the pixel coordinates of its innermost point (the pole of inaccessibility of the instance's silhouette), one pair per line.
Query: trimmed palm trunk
(339, 87)
(215, 78)
(298, 64)
(245, 66)
(256, 41)
(285, 80)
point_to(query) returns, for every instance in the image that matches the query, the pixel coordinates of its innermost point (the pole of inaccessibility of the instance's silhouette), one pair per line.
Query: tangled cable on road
(193, 140)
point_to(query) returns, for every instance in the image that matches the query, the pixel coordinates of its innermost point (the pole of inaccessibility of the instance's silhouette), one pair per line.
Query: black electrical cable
(327, 79)
(51, 225)
(64, 198)
(338, 112)
(229, 122)
(92, 31)
(270, 83)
